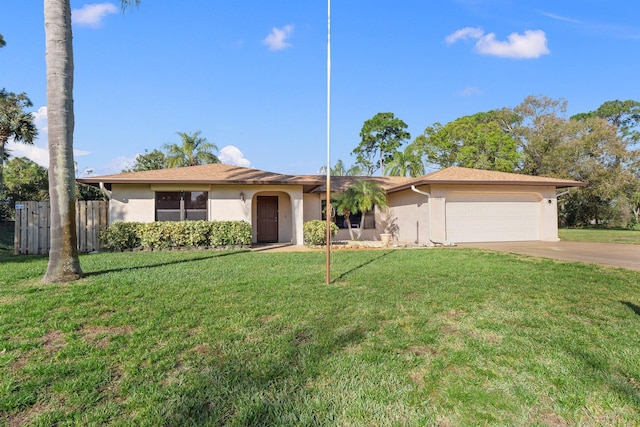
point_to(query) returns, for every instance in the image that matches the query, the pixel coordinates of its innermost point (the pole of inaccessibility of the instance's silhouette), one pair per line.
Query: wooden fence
(32, 226)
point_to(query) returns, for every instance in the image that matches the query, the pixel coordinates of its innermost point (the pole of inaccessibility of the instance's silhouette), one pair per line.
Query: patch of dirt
(550, 419)
(202, 349)
(6, 300)
(99, 336)
(53, 342)
(25, 417)
(449, 330)
(423, 351)
(416, 378)
(267, 319)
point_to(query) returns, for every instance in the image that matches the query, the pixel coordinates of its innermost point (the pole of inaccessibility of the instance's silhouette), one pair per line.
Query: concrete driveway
(612, 254)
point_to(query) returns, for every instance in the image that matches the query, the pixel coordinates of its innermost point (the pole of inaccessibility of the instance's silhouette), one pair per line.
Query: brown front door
(267, 219)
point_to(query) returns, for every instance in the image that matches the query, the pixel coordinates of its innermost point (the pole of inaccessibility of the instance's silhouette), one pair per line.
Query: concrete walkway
(611, 254)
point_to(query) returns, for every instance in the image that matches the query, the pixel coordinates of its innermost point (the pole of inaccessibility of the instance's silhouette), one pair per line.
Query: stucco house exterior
(453, 205)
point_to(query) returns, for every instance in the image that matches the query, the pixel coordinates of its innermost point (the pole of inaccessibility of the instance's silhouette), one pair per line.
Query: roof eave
(558, 184)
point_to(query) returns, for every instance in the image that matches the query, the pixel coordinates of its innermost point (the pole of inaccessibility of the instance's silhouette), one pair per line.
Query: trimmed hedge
(315, 232)
(121, 236)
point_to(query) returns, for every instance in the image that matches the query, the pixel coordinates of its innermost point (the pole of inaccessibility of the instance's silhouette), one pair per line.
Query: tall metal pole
(328, 202)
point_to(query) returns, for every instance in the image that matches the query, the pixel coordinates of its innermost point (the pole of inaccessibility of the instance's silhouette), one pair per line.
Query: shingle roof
(216, 173)
(458, 175)
(227, 174)
(340, 183)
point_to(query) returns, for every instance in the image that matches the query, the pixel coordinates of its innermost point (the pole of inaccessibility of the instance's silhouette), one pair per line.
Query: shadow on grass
(357, 267)
(632, 306)
(164, 264)
(270, 388)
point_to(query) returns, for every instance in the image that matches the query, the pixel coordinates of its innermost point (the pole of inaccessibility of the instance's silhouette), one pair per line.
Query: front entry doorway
(267, 219)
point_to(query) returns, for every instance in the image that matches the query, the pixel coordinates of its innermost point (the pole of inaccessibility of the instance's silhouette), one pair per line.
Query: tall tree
(592, 153)
(405, 162)
(541, 128)
(15, 123)
(624, 115)
(25, 180)
(381, 136)
(153, 160)
(193, 151)
(2, 42)
(481, 141)
(64, 264)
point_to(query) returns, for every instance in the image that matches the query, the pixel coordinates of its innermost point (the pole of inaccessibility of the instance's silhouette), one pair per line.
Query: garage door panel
(492, 218)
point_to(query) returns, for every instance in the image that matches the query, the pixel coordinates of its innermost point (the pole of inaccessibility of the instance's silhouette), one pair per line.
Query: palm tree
(341, 170)
(15, 123)
(404, 163)
(194, 150)
(367, 194)
(64, 264)
(345, 204)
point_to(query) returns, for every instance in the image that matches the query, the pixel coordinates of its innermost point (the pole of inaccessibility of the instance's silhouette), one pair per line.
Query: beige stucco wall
(131, 203)
(312, 207)
(408, 217)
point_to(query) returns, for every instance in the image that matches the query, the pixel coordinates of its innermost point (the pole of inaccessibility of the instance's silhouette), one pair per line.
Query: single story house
(453, 205)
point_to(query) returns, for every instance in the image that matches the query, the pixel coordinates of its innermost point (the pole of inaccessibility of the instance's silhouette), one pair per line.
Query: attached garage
(492, 217)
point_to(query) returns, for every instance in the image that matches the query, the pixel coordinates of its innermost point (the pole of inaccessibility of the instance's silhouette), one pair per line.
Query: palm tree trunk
(348, 219)
(64, 264)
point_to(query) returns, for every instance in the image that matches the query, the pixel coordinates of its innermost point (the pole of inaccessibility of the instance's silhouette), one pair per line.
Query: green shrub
(230, 233)
(159, 235)
(121, 236)
(155, 235)
(315, 232)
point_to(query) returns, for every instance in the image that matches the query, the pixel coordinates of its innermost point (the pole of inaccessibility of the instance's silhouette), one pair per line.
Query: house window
(356, 219)
(181, 205)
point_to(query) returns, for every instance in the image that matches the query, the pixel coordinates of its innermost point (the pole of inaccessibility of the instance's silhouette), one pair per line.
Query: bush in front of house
(315, 232)
(230, 233)
(121, 236)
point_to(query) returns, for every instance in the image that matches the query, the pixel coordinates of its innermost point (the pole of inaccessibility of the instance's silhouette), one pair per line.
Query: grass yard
(600, 235)
(401, 337)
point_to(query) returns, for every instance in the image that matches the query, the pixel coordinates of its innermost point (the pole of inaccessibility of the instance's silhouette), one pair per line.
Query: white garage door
(492, 217)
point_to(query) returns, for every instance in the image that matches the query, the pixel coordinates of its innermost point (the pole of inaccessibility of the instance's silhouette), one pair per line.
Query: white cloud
(33, 152)
(470, 91)
(277, 40)
(91, 15)
(40, 119)
(531, 44)
(464, 34)
(560, 18)
(231, 155)
(116, 165)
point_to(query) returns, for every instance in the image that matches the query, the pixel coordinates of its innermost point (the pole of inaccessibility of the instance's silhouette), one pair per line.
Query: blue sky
(251, 74)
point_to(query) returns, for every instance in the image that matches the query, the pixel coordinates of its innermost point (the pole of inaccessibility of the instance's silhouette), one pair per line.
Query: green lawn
(445, 336)
(600, 235)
